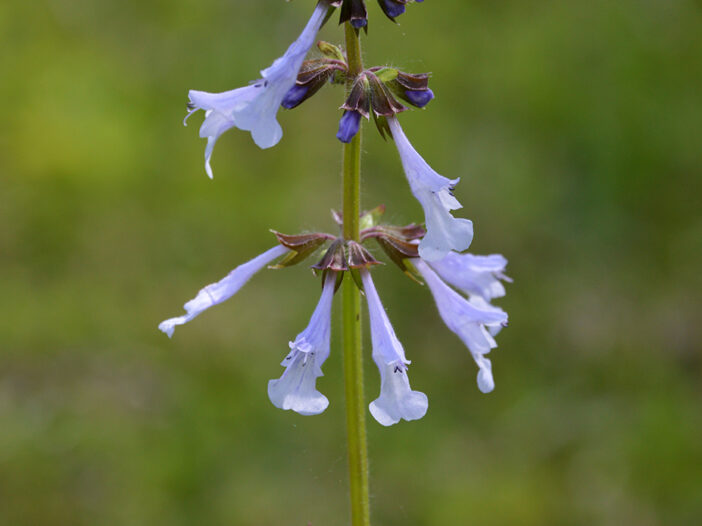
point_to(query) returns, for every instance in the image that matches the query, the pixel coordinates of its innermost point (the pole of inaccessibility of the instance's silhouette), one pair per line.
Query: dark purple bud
(348, 126)
(419, 98)
(358, 23)
(294, 96)
(392, 9)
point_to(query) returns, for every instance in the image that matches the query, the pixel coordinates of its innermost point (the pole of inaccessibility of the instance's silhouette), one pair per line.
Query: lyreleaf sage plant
(254, 107)
(463, 285)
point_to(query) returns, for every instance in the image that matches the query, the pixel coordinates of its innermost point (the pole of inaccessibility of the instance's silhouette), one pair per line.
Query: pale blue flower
(254, 108)
(397, 400)
(474, 321)
(474, 275)
(222, 290)
(435, 193)
(296, 388)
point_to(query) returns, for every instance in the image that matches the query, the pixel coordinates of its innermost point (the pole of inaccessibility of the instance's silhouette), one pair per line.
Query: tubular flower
(222, 290)
(254, 108)
(397, 400)
(474, 321)
(474, 275)
(435, 193)
(296, 389)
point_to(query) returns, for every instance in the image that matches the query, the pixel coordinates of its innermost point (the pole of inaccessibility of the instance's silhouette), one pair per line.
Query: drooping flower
(222, 290)
(474, 275)
(397, 400)
(296, 388)
(254, 108)
(473, 320)
(435, 193)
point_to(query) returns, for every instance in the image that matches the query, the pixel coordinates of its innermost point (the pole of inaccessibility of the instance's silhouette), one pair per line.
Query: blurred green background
(575, 127)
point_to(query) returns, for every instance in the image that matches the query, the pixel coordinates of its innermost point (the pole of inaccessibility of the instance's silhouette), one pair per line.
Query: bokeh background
(575, 127)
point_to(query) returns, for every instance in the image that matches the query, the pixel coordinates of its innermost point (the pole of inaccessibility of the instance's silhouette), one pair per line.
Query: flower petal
(385, 342)
(444, 232)
(474, 275)
(434, 192)
(222, 290)
(254, 108)
(397, 401)
(296, 388)
(471, 320)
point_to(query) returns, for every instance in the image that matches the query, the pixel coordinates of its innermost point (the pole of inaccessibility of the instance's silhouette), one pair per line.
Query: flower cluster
(463, 285)
(470, 316)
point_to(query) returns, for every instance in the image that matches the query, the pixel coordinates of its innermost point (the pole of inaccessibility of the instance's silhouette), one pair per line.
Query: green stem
(353, 357)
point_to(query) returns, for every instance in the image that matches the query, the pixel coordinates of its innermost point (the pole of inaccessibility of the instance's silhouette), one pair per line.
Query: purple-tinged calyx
(354, 12)
(369, 93)
(344, 255)
(412, 88)
(315, 73)
(301, 246)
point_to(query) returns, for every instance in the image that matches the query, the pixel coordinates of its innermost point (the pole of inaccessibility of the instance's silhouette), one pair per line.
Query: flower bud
(392, 8)
(419, 98)
(294, 96)
(355, 12)
(412, 88)
(348, 126)
(368, 92)
(312, 76)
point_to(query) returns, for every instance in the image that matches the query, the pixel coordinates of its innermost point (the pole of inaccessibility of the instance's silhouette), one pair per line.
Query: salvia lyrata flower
(435, 193)
(254, 108)
(473, 320)
(397, 400)
(296, 388)
(224, 289)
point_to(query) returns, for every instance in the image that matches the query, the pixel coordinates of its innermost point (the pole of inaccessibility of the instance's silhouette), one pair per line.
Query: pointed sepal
(301, 247)
(333, 259)
(359, 257)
